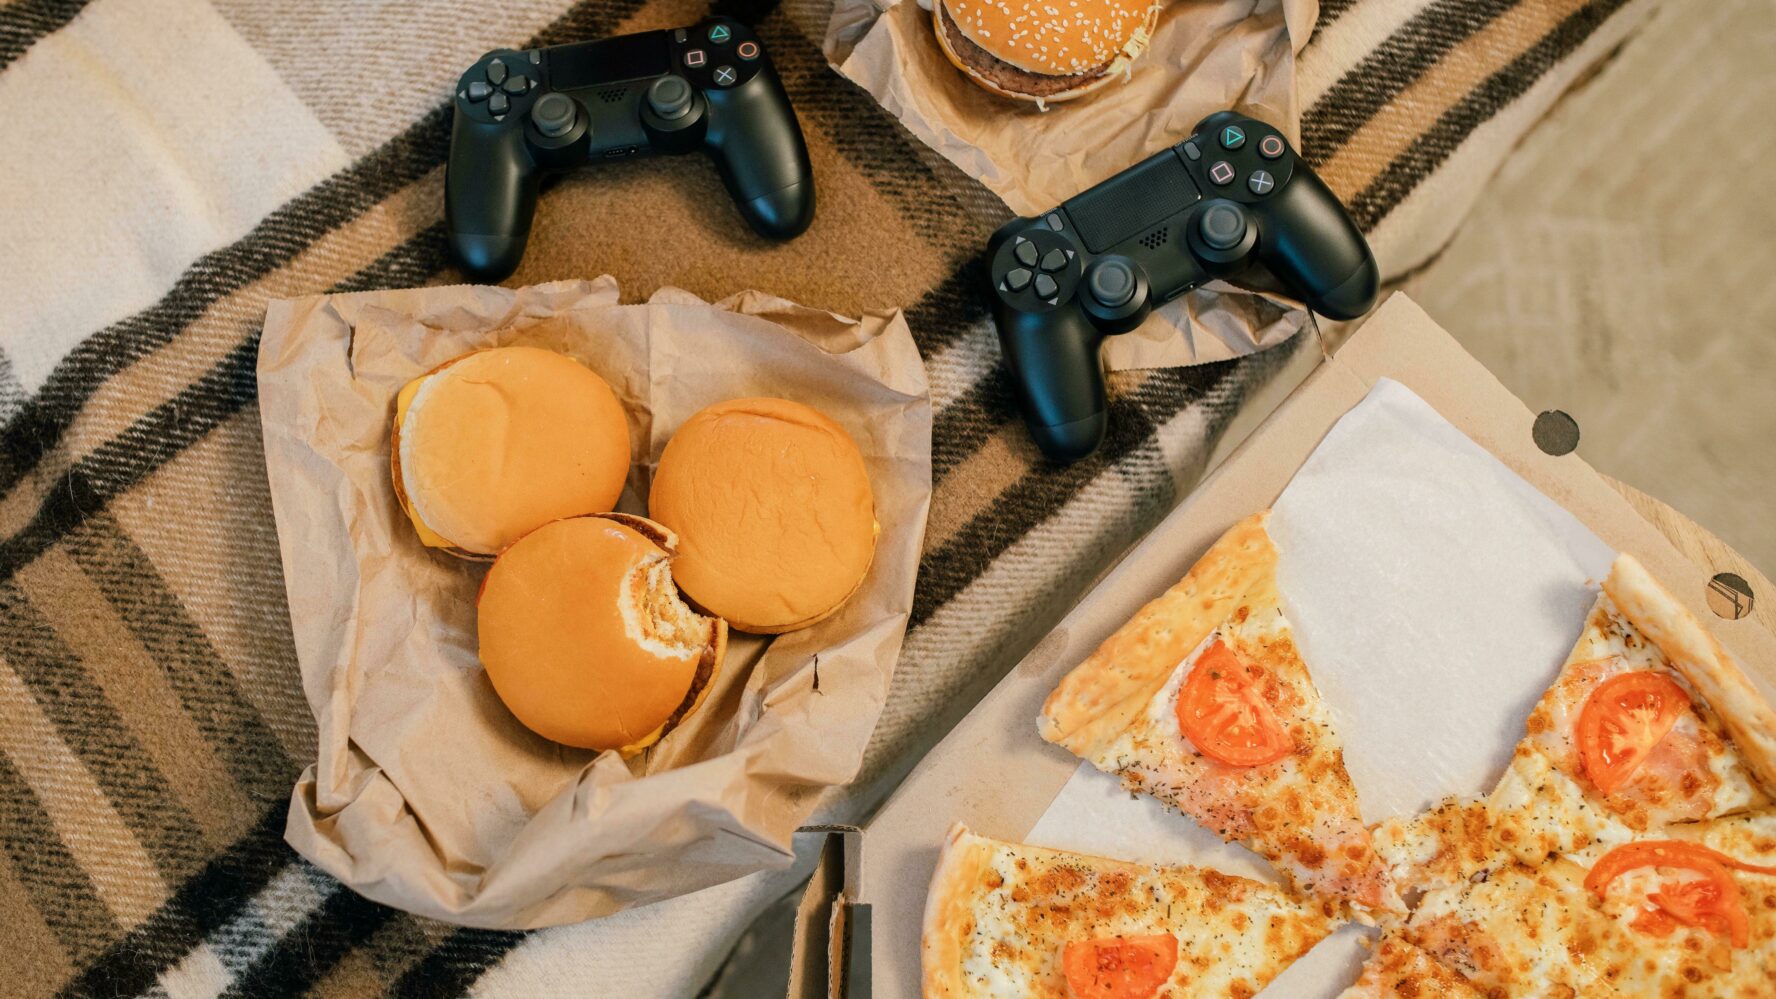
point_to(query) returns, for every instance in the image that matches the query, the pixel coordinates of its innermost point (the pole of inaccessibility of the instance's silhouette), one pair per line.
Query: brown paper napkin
(427, 794)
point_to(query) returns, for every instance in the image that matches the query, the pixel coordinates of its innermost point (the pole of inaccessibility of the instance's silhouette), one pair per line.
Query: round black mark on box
(1555, 432)
(1729, 595)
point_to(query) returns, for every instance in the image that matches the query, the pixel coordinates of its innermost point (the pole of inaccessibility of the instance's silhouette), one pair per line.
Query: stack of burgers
(761, 515)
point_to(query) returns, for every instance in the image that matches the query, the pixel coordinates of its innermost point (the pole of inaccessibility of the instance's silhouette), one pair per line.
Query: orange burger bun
(585, 638)
(772, 506)
(493, 444)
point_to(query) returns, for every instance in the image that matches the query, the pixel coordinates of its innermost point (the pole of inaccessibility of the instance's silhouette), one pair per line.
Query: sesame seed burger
(1043, 50)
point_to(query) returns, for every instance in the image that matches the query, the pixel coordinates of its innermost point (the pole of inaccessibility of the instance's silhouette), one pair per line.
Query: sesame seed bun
(1043, 50)
(772, 506)
(584, 636)
(490, 445)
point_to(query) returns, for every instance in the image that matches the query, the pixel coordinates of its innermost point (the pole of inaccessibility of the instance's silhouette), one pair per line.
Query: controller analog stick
(554, 115)
(670, 97)
(1222, 226)
(1111, 283)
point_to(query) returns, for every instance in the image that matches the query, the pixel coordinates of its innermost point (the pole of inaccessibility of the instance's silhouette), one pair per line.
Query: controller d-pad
(499, 104)
(1046, 286)
(516, 85)
(496, 72)
(479, 90)
(1026, 252)
(1054, 260)
(1018, 279)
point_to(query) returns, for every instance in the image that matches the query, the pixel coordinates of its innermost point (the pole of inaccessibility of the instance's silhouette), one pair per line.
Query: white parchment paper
(1434, 595)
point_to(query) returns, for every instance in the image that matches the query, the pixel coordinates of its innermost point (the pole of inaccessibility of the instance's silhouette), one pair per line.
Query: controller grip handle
(490, 192)
(1054, 364)
(758, 150)
(1312, 246)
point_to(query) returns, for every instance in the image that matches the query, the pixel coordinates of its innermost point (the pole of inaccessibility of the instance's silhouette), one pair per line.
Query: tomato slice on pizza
(1202, 701)
(1649, 723)
(1011, 921)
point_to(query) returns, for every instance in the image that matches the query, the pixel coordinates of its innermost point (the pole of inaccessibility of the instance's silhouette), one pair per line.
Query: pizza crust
(1105, 694)
(948, 913)
(1703, 662)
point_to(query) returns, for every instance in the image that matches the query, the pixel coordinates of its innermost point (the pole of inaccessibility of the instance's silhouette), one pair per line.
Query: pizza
(1202, 701)
(1649, 723)
(1397, 969)
(1447, 845)
(1024, 922)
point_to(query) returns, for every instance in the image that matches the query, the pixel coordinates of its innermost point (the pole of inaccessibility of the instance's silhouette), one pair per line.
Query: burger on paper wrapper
(585, 638)
(773, 509)
(492, 445)
(1044, 50)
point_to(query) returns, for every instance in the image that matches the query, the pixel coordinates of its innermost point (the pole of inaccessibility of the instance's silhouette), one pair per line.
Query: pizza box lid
(996, 774)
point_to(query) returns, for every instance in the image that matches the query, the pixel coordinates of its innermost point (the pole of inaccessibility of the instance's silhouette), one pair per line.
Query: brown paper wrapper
(1204, 56)
(427, 794)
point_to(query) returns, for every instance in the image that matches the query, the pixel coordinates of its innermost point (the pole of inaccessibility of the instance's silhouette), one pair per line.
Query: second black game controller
(1232, 195)
(521, 115)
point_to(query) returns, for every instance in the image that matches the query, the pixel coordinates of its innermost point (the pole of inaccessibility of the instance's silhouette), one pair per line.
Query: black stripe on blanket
(304, 955)
(38, 427)
(92, 730)
(455, 964)
(1390, 68)
(59, 887)
(231, 726)
(1440, 141)
(23, 22)
(199, 907)
(1040, 494)
(1331, 10)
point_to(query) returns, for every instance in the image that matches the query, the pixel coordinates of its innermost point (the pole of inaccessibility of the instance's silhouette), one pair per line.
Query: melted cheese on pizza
(1299, 812)
(1444, 847)
(1546, 803)
(1000, 915)
(1398, 970)
(1692, 962)
(1518, 933)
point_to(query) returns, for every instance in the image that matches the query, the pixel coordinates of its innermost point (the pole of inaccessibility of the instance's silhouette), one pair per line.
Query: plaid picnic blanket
(172, 165)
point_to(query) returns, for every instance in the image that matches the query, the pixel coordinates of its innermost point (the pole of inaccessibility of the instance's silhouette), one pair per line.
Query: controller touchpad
(1126, 206)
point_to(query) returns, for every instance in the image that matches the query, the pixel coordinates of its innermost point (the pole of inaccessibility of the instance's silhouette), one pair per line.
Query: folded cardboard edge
(1399, 341)
(830, 949)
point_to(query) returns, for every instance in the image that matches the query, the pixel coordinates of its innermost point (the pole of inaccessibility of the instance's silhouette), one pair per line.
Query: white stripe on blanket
(177, 137)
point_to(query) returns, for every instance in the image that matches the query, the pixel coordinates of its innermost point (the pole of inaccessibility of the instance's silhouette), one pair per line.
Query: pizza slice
(1399, 970)
(1445, 846)
(1009, 921)
(1693, 909)
(1650, 722)
(1202, 701)
(1519, 933)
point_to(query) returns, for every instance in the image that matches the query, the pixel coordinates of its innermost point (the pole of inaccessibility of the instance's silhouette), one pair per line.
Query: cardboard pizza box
(993, 771)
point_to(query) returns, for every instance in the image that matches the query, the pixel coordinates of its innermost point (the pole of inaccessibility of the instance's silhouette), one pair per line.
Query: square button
(1221, 172)
(695, 58)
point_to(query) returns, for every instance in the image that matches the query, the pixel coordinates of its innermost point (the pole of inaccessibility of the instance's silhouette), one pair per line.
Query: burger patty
(1004, 75)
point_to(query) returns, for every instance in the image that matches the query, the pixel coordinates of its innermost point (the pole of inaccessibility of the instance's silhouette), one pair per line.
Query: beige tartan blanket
(172, 165)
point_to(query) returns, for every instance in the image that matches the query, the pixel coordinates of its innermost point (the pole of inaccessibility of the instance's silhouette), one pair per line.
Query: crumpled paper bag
(1205, 56)
(427, 794)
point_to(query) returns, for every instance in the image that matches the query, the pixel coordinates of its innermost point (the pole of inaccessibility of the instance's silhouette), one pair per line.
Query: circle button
(1271, 147)
(747, 50)
(1111, 283)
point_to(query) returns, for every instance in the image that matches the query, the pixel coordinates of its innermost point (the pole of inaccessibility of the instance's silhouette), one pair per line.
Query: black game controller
(520, 115)
(1232, 194)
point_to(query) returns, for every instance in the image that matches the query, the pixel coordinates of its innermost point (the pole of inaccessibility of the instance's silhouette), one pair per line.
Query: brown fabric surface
(151, 719)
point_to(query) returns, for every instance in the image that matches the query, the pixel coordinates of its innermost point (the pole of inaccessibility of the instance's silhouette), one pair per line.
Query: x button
(725, 75)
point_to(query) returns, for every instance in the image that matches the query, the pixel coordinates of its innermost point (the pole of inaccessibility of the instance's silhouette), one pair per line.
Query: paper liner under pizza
(1010, 921)
(1649, 723)
(1202, 701)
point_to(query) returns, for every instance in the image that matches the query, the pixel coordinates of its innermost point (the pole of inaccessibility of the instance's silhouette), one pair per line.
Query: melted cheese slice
(999, 915)
(1545, 804)
(1694, 963)
(1398, 970)
(1446, 846)
(1300, 812)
